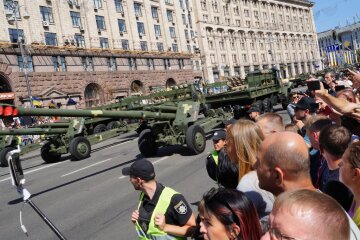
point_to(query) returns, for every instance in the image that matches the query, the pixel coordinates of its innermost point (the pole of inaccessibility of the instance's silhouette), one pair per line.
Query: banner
(7, 96)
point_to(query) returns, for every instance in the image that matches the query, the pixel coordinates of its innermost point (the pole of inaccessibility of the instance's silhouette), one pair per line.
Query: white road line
(157, 161)
(35, 170)
(106, 160)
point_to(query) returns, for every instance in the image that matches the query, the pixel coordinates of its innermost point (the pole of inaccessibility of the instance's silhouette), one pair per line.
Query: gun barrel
(94, 113)
(32, 131)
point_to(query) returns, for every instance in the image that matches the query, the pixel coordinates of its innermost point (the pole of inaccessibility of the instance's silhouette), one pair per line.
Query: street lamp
(11, 14)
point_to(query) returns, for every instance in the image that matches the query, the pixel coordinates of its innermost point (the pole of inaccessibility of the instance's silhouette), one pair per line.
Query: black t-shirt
(178, 213)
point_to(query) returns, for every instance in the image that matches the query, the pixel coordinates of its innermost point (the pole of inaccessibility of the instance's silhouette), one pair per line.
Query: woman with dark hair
(228, 214)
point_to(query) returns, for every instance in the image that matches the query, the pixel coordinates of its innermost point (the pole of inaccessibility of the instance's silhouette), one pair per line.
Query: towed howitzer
(184, 126)
(61, 138)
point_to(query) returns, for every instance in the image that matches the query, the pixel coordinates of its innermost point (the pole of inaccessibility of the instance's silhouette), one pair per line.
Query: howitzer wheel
(195, 139)
(147, 144)
(113, 125)
(268, 107)
(47, 156)
(80, 148)
(99, 128)
(4, 154)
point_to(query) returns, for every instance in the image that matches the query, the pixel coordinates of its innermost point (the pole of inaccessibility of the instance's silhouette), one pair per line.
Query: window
(154, 12)
(16, 35)
(122, 25)
(28, 65)
(59, 63)
(50, 39)
(188, 48)
(246, 13)
(203, 5)
(100, 22)
(221, 45)
(157, 30)
(175, 47)
(111, 63)
(223, 59)
(104, 42)
(119, 6)
(80, 41)
(141, 29)
(169, 14)
(253, 56)
(132, 63)
(212, 57)
(234, 58)
(46, 14)
(137, 9)
(183, 16)
(125, 44)
(244, 57)
(143, 45)
(160, 46)
(8, 3)
(190, 20)
(172, 32)
(75, 19)
(97, 3)
(182, 6)
(186, 34)
(150, 63)
(87, 63)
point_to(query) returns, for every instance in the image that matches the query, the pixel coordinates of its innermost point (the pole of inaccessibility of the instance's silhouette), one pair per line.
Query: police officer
(162, 212)
(212, 161)
(219, 166)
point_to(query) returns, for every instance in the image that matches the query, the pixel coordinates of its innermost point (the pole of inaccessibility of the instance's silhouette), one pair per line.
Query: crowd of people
(275, 181)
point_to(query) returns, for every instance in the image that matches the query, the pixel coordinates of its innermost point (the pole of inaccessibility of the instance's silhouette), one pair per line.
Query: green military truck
(262, 88)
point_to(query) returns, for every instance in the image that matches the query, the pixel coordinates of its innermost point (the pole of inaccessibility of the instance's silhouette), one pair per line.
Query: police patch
(181, 208)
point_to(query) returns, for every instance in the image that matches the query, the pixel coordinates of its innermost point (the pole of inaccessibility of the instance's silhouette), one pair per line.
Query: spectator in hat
(219, 166)
(162, 212)
(254, 112)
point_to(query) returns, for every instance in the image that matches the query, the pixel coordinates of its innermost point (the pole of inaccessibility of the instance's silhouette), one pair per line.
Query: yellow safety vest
(215, 155)
(153, 232)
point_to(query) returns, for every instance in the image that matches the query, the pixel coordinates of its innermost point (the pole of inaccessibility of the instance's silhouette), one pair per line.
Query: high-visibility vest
(153, 232)
(215, 155)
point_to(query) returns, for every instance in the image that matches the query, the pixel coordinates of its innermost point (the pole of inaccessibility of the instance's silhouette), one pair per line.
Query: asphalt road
(90, 199)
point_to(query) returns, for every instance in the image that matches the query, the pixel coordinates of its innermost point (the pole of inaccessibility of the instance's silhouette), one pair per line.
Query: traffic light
(8, 111)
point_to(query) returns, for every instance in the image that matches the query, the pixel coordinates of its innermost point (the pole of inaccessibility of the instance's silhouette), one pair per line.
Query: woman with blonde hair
(242, 142)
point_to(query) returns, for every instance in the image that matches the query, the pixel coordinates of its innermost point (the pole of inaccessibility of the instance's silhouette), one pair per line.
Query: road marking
(35, 170)
(106, 160)
(157, 161)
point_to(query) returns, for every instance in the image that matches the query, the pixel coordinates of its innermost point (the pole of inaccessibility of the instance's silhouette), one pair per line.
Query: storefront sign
(7, 96)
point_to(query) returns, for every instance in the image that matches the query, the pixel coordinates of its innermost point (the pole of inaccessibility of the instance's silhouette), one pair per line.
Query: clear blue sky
(331, 13)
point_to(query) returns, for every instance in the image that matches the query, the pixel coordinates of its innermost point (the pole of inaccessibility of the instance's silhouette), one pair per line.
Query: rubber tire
(99, 128)
(259, 104)
(112, 125)
(48, 156)
(147, 144)
(3, 153)
(192, 133)
(268, 107)
(73, 148)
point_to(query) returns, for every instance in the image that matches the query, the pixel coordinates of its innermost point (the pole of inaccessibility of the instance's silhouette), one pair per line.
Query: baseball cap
(143, 169)
(254, 109)
(230, 121)
(307, 103)
(219, 135)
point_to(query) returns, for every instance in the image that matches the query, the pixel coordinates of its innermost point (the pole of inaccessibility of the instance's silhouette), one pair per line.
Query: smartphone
(313, 85)
(339, 87)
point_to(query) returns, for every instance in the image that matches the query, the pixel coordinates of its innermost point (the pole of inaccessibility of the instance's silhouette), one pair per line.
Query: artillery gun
(66, 137)
(172, 125)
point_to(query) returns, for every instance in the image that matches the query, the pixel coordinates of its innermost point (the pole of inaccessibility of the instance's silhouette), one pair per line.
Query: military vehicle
(299, 80)
(263, 88)
(68, 137)
(176, 123)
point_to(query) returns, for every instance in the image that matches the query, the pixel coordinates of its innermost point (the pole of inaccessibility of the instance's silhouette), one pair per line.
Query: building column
(306, 69)
(299, 68)
(293, 72)
(242, 72)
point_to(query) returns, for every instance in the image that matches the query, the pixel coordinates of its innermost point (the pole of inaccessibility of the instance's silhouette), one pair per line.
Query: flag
(36, 102)
(71, 102)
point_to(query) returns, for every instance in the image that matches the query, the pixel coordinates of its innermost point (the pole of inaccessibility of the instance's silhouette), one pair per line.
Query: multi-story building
(238, 36)
(340, 46)
(95, 50)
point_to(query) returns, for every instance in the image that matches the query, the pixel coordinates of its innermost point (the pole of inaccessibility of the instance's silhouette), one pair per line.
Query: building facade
(95, 50)
(340, 46)
(238, 36)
